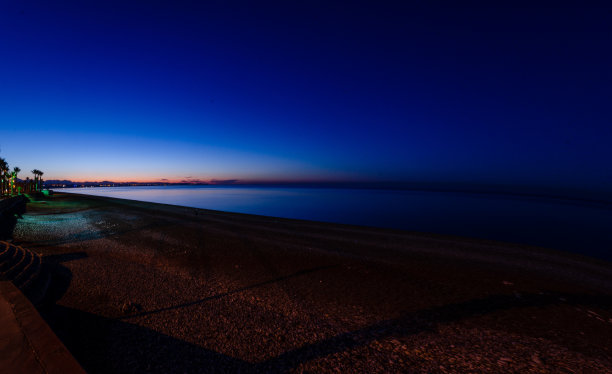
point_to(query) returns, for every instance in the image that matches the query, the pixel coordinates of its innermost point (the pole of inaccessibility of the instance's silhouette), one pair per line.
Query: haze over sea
(571, 225)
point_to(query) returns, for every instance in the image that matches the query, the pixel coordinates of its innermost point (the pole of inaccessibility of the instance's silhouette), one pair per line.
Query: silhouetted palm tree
(5, 177)
(40, 180)
(35, 172)
(37, 178)
(16, 171)
(3, 167)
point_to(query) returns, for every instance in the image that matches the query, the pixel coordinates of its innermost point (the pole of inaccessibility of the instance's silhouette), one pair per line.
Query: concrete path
(27, 344)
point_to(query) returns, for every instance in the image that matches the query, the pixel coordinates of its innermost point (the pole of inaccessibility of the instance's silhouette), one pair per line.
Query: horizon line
(506, 189)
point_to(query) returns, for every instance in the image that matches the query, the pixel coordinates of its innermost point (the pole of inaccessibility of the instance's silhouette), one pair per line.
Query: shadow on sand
(107, 345)
(60, 275)
(104, 345)
(238, 290)
(9, 216)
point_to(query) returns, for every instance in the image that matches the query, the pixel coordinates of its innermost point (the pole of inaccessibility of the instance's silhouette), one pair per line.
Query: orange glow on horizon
(206, 180)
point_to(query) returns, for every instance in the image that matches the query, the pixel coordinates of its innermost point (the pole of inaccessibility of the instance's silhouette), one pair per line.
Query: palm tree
(40, 180)
(5, 178)
(16, 171)
(3, 166)
(35, 172)
(37, 178)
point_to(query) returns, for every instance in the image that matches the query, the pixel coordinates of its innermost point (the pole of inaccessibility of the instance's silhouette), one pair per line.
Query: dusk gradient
(308, 91)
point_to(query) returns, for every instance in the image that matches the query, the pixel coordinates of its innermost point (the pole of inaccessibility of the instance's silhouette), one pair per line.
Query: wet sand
(142, 287)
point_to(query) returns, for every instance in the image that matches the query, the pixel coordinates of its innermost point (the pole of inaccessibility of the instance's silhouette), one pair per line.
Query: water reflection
(563, 224)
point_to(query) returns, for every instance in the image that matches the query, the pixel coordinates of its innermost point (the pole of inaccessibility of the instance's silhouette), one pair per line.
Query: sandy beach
(141, 287)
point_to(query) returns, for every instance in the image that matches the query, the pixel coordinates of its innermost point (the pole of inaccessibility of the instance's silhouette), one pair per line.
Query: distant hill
(57, 183)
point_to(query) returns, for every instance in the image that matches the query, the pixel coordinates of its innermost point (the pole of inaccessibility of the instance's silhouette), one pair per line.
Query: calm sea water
(572, 225)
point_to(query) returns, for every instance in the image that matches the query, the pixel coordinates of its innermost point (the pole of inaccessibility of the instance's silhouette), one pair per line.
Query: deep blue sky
(144, 90)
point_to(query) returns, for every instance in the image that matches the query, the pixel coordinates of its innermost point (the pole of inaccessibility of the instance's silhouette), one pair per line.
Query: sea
(579, 226)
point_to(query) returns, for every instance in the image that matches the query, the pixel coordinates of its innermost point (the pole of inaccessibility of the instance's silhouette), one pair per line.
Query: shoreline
(231, 291)
(599, 254)
(578, 196)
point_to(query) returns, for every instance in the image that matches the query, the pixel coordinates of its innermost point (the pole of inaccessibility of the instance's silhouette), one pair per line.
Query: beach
(143, 287)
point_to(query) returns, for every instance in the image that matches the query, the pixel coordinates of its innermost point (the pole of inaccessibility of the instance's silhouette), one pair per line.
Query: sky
(419, 91)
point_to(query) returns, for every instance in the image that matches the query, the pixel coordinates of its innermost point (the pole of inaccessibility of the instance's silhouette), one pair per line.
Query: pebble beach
(141, 287)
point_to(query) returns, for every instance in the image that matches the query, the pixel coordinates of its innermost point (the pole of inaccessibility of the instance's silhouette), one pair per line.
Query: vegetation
(3, 171)
(11, 185)
(37, 179)
(16, 171)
